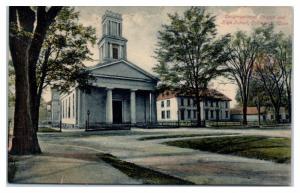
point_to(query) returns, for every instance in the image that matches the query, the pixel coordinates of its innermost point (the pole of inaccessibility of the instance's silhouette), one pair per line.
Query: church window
(115, 52)
(119, 29)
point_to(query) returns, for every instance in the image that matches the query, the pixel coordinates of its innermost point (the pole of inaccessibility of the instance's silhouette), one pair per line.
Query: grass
(47, 130)
(148, 176)
(12, 168)
(266, 148)
(182, 135)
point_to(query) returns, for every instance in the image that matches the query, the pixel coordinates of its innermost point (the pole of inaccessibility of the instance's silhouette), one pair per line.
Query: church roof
(109, 63)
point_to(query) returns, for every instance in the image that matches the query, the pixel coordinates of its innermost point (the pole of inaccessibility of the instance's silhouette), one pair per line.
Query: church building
(122, 92)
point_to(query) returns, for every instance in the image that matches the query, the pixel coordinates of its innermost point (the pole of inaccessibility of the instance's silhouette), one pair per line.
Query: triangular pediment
(122, 68)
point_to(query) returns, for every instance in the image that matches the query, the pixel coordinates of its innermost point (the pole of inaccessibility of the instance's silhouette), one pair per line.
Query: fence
(149, 125)
(106, 126)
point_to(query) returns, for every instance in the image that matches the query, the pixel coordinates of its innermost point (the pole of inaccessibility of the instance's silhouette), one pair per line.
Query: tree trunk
(198, 110)
(25, 52)
(258, 109)
(277, 114)
(245, 112)
(289, 105)
(24, 139)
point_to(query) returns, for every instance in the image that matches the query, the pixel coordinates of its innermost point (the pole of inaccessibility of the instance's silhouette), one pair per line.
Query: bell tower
(112, 46)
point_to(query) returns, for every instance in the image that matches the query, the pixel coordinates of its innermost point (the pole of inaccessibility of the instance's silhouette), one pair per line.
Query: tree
(257, 95)
(243, 51)
(283, 50)
(60, 64)
(274, 67)
(27, 30)
(189, 54)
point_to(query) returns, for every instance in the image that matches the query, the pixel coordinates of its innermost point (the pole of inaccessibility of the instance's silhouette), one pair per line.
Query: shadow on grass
(148, 176)
(183, 135)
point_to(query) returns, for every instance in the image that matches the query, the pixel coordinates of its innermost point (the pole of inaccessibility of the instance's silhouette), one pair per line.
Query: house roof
(206, 94)
(250, 111)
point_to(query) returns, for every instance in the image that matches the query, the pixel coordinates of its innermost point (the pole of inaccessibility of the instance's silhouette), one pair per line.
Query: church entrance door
(117, 112)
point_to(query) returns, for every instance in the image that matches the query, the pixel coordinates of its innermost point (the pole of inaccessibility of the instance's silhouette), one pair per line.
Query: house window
(182, 114)
(217, 103)
(189, 114)
(211, 103)
(115, 52)
(182, 102)
(162, 104)
(226, 104)
(163, 114)
(206, 103)
(226, 114)
(168, 114)
(195, 114)
(211, 114)
(194, 102)
(168, 103)
(188, 102)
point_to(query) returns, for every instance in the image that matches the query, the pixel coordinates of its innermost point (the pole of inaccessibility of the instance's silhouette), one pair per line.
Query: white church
(122, 92)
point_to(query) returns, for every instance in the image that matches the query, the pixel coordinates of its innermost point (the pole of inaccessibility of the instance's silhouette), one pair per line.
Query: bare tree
(243, 51)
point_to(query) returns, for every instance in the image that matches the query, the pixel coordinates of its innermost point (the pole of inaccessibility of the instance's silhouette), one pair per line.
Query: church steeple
(112, 46)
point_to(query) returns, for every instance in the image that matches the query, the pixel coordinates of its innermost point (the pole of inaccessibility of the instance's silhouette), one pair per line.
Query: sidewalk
(74, 166)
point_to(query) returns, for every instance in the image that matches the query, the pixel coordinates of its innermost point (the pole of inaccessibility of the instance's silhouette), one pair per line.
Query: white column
(150, 106)
(109, 112)
(132, 106)
(110, 51)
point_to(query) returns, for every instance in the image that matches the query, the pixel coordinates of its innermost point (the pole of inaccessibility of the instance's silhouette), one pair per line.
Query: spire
(112, 46)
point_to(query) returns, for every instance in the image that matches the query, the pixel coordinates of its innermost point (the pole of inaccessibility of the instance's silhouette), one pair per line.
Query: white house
(174, 106)
(122, 92)
(266, 114)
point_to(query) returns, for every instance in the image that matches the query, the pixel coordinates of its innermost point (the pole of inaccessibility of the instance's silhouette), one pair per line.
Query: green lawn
(267, 148)
(182, 135)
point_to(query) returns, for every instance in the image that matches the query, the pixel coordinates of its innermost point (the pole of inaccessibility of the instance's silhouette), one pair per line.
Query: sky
(141, 24)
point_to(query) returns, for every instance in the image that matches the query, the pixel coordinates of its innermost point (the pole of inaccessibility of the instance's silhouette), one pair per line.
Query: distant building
(174, 106)
(266, 114)
(121, 93)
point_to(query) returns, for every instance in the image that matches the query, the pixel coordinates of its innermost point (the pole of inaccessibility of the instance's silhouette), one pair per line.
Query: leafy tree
(189, 54)
(61, 60)
(27, 30)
